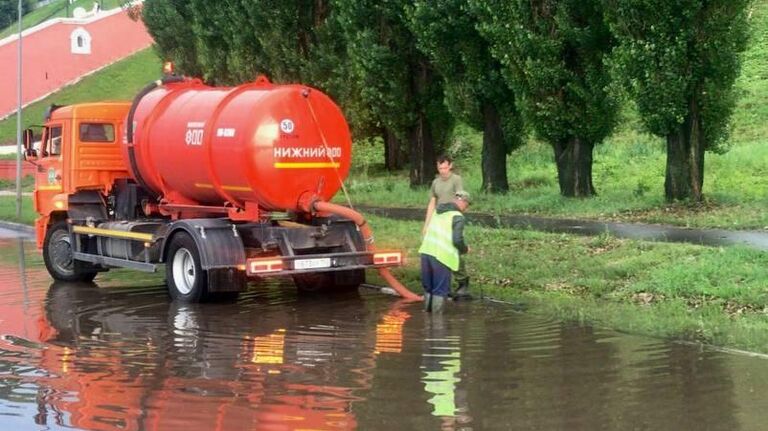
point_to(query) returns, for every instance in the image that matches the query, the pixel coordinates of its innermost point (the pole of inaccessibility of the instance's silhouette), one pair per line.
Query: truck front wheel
(58, 256)
(186, 279)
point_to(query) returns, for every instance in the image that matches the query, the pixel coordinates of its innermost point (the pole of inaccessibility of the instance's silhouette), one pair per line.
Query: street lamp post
(18, 131)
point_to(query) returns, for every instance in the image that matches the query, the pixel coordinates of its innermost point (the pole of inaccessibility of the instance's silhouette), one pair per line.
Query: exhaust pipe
(365, 230)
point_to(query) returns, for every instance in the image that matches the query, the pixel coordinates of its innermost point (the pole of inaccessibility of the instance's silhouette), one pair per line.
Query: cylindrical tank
(261, 143)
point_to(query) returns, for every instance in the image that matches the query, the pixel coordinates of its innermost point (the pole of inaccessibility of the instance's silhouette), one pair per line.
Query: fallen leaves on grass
(646, 298)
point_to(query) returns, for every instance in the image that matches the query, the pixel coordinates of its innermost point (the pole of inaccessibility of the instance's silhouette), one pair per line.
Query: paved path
(647, 232)
(15, 230)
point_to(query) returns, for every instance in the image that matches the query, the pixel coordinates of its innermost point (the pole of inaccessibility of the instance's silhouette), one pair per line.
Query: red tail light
(388, 258)
(264, 265)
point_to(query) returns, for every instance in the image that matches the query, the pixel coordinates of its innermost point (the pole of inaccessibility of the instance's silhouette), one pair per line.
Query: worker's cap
(463, 195)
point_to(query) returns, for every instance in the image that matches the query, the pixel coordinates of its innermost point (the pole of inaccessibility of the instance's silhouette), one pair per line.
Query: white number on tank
(286, 125)
(194, 137)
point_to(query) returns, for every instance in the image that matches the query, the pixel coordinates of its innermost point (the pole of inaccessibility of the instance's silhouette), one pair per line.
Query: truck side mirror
(30, 153)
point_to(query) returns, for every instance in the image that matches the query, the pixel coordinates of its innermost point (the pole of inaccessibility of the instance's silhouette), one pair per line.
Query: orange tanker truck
(221, 185)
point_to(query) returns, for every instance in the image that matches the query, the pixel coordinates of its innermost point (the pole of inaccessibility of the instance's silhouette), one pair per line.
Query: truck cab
(79, 152)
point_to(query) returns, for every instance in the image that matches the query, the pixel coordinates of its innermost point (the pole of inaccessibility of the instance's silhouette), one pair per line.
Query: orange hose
(365, 230)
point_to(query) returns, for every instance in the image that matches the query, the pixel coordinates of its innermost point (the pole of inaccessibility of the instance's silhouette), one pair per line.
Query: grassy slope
(120, 81)
(628, 167)
(55, 9)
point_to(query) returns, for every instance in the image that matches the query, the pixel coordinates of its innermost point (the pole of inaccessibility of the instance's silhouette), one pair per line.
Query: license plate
(324, 262)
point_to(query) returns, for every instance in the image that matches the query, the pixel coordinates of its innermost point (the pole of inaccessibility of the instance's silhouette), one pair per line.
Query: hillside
(119, 81)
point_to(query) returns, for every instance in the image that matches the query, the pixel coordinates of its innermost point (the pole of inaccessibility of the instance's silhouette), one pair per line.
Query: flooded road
(118, 355)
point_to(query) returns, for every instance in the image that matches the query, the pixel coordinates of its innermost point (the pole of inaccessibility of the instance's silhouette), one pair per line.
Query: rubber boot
(462, 292)
(428, 302)
(437, 303)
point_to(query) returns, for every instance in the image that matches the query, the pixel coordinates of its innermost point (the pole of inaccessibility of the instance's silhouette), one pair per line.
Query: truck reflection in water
(116, 360)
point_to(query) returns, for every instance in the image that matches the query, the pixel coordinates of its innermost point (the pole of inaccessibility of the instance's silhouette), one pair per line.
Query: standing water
(119, 355)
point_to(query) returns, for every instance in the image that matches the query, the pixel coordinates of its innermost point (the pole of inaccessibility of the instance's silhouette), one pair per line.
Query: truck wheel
(186, 279)
(330, 281)
(313, 283)
(57, 255)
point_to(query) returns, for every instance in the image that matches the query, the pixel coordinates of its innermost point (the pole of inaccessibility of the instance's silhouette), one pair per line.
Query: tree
(9, 11)
(475, 90)
(397, 83)
(168, 21)
(299, 41)
(679, 60)
(553, 54)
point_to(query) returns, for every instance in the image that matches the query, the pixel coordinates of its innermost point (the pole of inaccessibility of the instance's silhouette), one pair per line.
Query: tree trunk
(494, 153)
(422, 150)
(574, 168)
(395, 157)
(423, 167)
(685, 159)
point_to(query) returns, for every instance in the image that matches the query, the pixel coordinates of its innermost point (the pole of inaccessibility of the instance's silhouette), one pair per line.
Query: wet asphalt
(118, 354)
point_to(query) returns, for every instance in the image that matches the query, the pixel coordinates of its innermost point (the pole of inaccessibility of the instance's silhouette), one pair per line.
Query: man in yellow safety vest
(440, 250)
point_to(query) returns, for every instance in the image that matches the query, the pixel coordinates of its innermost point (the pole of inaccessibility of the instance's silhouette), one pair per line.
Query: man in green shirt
(442, 192)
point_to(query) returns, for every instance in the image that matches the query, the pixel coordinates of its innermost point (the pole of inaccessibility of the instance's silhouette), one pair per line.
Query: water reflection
(143, 362)
(120, 355)
(441, 366)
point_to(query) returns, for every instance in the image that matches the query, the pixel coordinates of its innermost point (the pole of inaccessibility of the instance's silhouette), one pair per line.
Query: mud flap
(226, 280)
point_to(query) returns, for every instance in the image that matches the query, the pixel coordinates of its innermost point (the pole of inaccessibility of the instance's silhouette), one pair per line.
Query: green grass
(8, 210)
(714, 295)
(55, 9)
(628, 173)
(120, 81)
(27, 184)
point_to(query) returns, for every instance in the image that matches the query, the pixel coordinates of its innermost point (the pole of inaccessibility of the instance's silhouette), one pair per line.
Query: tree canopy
(397, 83)
(679, 61)
(553, 55)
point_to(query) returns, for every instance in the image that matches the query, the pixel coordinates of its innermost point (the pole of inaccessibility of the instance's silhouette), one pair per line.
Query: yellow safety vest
(438, 242)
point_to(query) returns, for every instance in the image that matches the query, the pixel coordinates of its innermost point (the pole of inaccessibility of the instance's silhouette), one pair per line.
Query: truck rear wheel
(330, 281)
(185, 277)
(58, 256)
